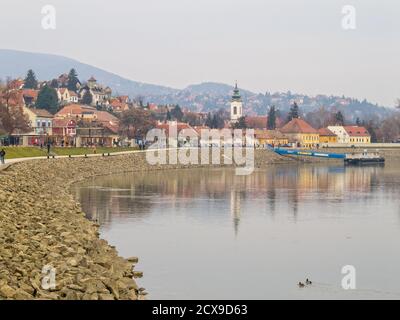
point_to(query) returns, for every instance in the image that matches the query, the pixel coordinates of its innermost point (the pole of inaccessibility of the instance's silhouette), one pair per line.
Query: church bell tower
(236, 105)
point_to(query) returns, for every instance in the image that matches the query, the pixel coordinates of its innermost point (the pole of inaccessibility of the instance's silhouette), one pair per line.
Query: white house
(63, 95)
(342, 135)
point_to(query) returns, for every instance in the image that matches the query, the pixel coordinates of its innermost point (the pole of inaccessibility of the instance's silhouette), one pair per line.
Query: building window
(235, 110)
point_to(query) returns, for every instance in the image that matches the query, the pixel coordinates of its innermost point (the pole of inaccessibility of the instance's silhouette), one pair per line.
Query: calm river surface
(208, 234)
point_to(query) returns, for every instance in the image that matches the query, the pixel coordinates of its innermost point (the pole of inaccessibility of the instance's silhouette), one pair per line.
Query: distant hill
(47, 66)
(213, 88)
(203, 97)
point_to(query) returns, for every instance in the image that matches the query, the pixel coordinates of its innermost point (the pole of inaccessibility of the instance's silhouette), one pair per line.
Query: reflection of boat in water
(364, 158)
(352, 158)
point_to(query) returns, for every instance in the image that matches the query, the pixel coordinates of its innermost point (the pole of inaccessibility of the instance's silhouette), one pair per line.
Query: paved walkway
(9, 162)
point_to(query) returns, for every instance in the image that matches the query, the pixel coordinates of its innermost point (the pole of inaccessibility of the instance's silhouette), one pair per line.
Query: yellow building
(270, 137)
(358, 134)
(327, 136)
(301, 133)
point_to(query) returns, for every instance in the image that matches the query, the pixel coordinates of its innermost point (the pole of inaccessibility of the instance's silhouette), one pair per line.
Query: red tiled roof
(326, 132)
(258, 122)
(297, 125)
(179, 126)
(62, 123)
(41, 113)
(31, 93)
(104, 116)
(74, 109)
(269, 134)
(355, 131)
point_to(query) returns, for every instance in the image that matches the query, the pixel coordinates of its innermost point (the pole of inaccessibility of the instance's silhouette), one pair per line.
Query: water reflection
(117, 196)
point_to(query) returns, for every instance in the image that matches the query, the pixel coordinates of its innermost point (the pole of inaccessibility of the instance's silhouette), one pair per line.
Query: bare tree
(12, 117)
(136, 123)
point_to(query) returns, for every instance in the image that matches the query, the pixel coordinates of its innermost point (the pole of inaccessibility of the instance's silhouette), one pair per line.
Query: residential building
(183, 130)
(93, 127)
(67, 96)
(63, 95)
(301, 133)
(30, 96)
(41, 125)
(341, 133)
(351, 134)
(358, 134)
(327, 136)
(270, 137)
(74, 98)
(64, 131)
(100, 95)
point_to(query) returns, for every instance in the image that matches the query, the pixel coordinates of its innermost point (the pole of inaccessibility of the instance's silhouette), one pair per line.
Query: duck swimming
(301, 285)
(308, 282)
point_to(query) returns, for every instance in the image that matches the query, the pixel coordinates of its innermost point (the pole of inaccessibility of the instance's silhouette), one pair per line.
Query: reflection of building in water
(235, 209)
(136, 195)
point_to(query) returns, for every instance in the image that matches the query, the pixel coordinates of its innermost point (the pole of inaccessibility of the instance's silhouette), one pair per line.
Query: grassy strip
(27, 152)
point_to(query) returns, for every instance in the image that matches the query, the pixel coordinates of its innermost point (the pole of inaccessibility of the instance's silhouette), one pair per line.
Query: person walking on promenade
(48, 148)
(2, 156)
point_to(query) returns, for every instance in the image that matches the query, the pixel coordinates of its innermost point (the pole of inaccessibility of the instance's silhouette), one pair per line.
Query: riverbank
(31, 152)
(42, 225)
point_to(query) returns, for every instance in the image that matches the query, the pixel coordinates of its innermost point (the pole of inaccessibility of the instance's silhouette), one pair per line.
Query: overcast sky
(267, 45)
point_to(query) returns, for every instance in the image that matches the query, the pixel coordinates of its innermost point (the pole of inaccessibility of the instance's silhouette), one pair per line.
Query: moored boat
(364, 158)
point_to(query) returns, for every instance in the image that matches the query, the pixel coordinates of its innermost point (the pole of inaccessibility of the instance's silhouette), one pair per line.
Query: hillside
(207, 96)
(47, 66)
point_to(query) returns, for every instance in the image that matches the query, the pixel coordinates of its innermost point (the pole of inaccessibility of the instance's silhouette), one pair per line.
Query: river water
(209, 234)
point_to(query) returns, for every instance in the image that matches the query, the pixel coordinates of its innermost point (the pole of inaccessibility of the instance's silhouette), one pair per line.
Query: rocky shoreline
(42, 225)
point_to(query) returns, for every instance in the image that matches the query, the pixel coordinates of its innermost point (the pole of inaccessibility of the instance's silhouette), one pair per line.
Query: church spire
(236, 105)
(236, 93)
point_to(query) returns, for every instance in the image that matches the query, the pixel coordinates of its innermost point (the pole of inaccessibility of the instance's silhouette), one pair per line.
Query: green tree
(339, 118)
(72, 80)
(177, 113)
(241, 124)
(168, 118)
(30, 80)
(47, 99)
(294, 112)
(87, 98)
(271, 122)
(54, 83)
(209, 120)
